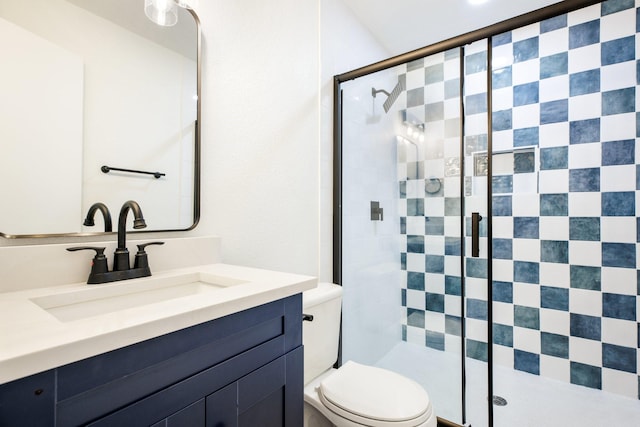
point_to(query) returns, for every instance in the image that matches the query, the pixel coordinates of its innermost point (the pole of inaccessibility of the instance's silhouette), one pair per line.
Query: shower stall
(486, 231)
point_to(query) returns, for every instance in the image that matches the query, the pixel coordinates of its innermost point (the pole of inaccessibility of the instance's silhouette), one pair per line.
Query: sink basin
(95, 300)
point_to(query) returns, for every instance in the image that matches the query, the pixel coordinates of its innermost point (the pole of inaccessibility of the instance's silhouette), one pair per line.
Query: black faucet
(121, 267)
(88, 221)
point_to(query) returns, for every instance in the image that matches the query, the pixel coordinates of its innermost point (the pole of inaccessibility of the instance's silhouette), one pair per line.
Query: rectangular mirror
(93, 83)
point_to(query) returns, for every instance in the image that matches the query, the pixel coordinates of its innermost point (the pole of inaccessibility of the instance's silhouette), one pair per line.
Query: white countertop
(33, 340)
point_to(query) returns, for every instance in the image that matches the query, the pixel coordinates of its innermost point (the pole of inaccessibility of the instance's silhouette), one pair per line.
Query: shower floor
(533, 401)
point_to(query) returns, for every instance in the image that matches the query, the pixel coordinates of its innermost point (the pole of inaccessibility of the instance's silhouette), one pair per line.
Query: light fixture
(165, 12)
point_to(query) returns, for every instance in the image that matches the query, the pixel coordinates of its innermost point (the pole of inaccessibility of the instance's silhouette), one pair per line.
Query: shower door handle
(475, 234)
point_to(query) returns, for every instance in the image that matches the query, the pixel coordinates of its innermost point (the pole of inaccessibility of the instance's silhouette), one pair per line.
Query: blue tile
(526, 227)
(584, 180)
(584, 228)
(554, 111)
(621, 203)
(524, 162)
(434, 302)
(476, 309)
(503, 291)
(503, 335)
(554, 204)
(584, 34)
(502, 206)
(434, 340)
(525, 50)
(502, 78)
(475, 104)
(619, 306)
(638, 71)
(415, 65)
(402, 187)
(526, 137)
(434, 74)
(500, 39)
(452, 54)
(415, 207)
(403, 261)
(452, 89)
(619, 152)
(453, 285)
(584, 131)
(619, 50)
(586, 375)
(477, 350)
(554, 65)
(613, 6)
(526, 362)
(526, 317)
(415, 244)
(434, 264)
(637, 177)
(554, 158)
(638, 234)
(482, 231)
(526, 272)
(476, 63)
(476, 267)
(584, 82)
(584, 277)
(415, 318)
(619, 101)
(554, 23)
(502, 120)
(619, 358)
(452, 246)
(403, 297)
(453, 325)
(415, 281)
(474, 143)
(415, 97)
(502, 184)
(554, 298)
(434, 112)
(554, 345)
(525, 94)
(619, 255)
(502, 248)
(434, 225)
(403, 225)
(404, 332)
(638, 121)
(452, 206)
(583, 326)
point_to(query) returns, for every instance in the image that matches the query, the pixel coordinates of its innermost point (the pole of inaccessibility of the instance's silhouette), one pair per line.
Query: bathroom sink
(96, 300)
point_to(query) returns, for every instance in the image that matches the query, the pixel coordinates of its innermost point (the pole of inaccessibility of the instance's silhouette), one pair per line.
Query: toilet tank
(320, 336)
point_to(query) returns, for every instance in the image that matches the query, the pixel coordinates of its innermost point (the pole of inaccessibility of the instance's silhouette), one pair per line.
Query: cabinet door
(191, 416)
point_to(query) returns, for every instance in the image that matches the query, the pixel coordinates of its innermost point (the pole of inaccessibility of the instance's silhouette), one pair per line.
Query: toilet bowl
(353, 395)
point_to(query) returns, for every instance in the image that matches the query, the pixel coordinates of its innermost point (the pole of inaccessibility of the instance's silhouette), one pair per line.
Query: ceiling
(401, 26)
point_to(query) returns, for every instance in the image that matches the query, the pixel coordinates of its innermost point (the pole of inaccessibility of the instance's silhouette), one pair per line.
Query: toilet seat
(374, 397)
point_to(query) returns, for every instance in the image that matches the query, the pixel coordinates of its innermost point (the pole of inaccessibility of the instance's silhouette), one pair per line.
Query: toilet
(353, 395)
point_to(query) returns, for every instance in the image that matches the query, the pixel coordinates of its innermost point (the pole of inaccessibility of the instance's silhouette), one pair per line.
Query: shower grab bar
(107, 169)
(475, 234)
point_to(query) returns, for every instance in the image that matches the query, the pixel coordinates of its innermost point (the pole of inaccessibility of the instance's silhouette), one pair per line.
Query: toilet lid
(374, 394)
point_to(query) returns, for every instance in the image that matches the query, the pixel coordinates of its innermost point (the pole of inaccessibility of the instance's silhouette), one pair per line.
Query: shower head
(391, 97)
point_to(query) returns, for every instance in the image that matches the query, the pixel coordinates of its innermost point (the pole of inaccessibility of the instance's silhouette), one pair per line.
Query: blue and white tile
(585, 253)
(555, 274)
(555, 367)
(617, 25)
(587, 302)
(584, 58)
(585, 351)
(620, 332)
(618, 382)
(526, 339)
(618, 76)
(618, 229)
(585, 205)
(555, 321)
(554, 88)
(526, 72)
(585, 107)
(582, 156)
(553, 135)
(554, 181)
(554, 228)
(618, 127)
(620, 281)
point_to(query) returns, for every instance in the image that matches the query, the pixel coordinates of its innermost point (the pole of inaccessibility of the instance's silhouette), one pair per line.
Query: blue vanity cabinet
(245, 369)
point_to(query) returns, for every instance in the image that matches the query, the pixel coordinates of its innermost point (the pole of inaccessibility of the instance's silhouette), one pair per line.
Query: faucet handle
(141, 260)
(99, 263)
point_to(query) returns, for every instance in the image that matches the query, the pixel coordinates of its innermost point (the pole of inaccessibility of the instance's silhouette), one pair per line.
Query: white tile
(618, 178)
(620, 332)
(435, 207)
(554, 228)
(415, 335)
(618, 127)
(475, 83)
(502, 99)
(585, 351)
(526, 183)
(526, 72)
(526, 294)
(527, 32)
(451, 69)
(502, 227)
(503, 270)
(554, 88)
(585, 106)
(503, 356)
(475, 124)
(555, 321)
(618, 229)
(434, 283)
(476, 47)
(415, 79)
(585, 155)
(619, 280)
(584, 58)
(434, 59)
(415, 225)
(415, 299)
(618, 382)
(618, 76)
(452, 305)
(452, 344)
(476, 288)
(556, 275)
(502, 56)
(554, 135)
(585, 204)
(415, 262)
(434, 245)
(526, 339)
(618, 25)
(583, 301)
(503, 313)
(452, 265)
(554, 181)
(503, 163)
(476, 329)
(452, 226)
(554, 42)
(526, 250)
(452, 108)
(583, 15)
(433, 92)
(556, 368)
(434, 131)
(503, 140)
(525, 204)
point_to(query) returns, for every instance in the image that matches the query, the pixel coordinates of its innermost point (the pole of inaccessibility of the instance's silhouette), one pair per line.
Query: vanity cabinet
(244, 369)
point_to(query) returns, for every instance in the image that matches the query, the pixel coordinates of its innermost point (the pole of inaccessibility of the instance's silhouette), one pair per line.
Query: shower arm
(375, 91)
